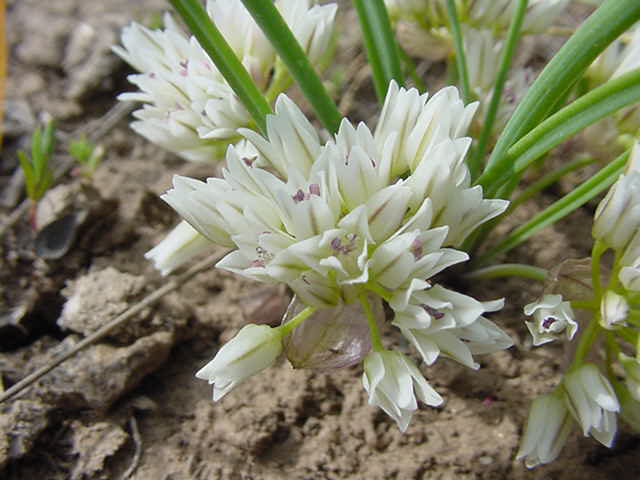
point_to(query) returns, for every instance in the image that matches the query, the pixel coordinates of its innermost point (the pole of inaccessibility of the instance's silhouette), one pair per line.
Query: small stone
(94, 444)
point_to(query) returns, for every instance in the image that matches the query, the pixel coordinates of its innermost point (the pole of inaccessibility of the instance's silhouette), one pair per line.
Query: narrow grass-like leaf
(382, 50)
(276, 30)
(29, 175)
(567, 204)
(513, 37)
(212, 41)
(410, 69)
(458, 43)
(610, 20)
(549, 179)
(588, 109)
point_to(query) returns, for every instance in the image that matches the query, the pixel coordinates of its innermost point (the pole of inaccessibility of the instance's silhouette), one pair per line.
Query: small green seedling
(38, 174)
(87, 154)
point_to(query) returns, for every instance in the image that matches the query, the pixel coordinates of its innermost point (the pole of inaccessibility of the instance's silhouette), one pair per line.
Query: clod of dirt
(96, 298)
(94, 444)
(20, 424)
(100, 375)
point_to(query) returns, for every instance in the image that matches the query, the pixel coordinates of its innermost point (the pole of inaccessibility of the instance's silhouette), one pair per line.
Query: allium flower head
(322, 218)
(592, 402)
(393, 382)
(189, 108)
(361, 213)
(551, 317)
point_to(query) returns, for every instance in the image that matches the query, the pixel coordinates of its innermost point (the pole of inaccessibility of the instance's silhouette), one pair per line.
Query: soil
(129, 406)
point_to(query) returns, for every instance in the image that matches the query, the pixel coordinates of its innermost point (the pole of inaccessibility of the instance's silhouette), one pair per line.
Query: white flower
(622, 56)
(253, 349)
(547, 430)
(592, 402)
(181, 245)
(613, 310)
(617, 217)
(390, 378)
(189, 108)
(540, 14)
(329, 217)
(482, 50)
(632, 374)
(551, 317)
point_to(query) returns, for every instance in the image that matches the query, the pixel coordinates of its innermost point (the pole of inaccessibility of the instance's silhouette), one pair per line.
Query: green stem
(461, 59)
(549, 179)
(376, 288)
(212, 41)
(513, 37)
(586, 341)
(382, 51)
(285, 43)
(508, 270)
(610, 20)
(596, 253)
(297, 320)
(376, 341)
(279, 83)
(585, 304)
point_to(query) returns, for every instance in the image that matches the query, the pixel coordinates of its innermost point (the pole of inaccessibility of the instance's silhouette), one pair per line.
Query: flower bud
(613, 310)
(253, 349)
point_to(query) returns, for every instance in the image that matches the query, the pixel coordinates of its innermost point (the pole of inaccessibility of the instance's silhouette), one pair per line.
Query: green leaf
(588, 109)
(382, 50)
(212, 41)
(458, 43)
(559, 209)
(513, 36)
(285, 43)
(29, 174)
(610, 20)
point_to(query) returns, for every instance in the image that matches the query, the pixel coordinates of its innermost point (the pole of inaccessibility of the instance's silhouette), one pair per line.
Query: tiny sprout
(87, 154)
(37, 171)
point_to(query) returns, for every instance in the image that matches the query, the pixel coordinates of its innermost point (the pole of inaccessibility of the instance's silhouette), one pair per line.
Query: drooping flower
(547, 430)
(253, 349)
(617, 218)
(393, 381)
(551, 317)
(614, 310)
(188, 108)
(592, 403)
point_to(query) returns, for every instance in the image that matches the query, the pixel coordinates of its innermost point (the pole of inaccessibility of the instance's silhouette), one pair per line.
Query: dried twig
(119, 320)
(137, 441)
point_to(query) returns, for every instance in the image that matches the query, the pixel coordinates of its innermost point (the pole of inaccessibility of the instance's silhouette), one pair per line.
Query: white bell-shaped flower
(547, 430)
(592, 402)
(551, 317)
(614, 310)
(253, 349)
(393, 382)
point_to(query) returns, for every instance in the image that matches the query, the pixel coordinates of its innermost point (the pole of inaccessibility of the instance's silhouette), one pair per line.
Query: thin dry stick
(119, 320)
(137, 441)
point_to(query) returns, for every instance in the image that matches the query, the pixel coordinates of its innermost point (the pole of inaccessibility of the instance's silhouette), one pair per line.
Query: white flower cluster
(189, 108)
(585, 396)
(362, 212)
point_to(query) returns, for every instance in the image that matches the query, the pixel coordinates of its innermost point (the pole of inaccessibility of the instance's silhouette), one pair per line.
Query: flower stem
(375, 288)
(376, 341)
(508, 270)
(598, 249)
(586, 341)
(297, 320)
